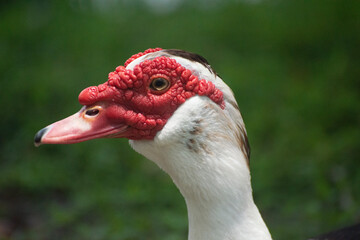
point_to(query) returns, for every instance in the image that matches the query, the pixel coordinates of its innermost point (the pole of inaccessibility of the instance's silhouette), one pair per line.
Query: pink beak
(80, 127)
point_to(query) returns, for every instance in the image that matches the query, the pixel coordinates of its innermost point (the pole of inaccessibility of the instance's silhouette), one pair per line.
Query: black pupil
(92, 112)
(159, 83)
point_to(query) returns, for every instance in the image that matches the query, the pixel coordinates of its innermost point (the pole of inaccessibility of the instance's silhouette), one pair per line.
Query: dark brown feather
(243, 142)
(190, 56)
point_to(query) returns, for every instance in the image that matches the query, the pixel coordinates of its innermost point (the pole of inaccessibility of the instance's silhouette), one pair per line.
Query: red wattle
(135, 56)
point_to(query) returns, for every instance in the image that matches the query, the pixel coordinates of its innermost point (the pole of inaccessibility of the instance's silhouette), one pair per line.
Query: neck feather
(222, 207)
(200, 152)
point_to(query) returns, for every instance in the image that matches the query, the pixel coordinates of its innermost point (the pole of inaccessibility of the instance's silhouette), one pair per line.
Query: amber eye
(92, 112)
(159, 84)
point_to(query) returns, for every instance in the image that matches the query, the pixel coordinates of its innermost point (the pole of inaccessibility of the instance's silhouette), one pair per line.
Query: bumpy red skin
(131, 101)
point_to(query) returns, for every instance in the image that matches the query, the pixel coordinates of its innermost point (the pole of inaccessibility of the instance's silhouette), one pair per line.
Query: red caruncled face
(144, 98)
(134, 103)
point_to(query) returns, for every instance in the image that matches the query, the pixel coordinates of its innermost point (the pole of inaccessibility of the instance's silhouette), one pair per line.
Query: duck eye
(159, 84)
(92, 112)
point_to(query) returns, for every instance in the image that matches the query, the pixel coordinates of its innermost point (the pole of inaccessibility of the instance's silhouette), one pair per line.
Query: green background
(294, 68)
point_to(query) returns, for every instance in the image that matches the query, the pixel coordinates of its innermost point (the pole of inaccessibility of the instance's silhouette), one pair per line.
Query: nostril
(92, 112)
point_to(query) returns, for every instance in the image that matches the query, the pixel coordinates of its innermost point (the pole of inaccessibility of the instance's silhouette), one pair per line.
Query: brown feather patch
(191, 56)
(242, 139)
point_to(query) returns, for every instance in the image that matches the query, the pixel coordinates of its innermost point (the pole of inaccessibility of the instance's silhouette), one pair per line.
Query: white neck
(221, 205)
(198, 149)
(225, 220)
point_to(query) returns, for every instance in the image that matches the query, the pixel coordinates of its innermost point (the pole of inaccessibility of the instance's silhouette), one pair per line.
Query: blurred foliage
(294, 68)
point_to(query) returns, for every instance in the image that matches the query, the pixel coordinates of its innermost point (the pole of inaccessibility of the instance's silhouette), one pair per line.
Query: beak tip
(39, 135)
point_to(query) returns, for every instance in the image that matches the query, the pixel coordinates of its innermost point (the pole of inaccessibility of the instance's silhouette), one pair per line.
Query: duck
(177, 112)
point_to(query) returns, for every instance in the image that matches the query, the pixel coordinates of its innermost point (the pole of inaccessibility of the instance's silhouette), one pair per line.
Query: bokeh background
(294, 68)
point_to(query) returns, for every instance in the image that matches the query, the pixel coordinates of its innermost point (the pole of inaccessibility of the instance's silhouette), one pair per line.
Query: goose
(176, 111)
